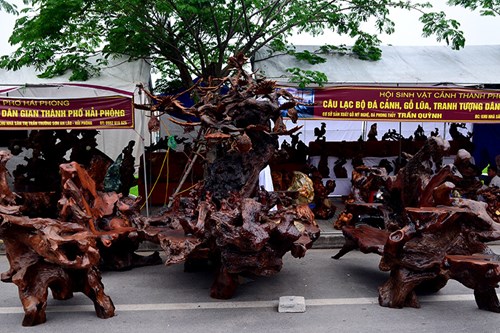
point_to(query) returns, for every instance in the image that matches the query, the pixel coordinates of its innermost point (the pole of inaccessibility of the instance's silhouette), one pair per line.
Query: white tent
(402, 65)
(120, 77)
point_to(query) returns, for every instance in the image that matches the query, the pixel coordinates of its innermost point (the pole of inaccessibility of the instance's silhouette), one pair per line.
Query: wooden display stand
(374, 148)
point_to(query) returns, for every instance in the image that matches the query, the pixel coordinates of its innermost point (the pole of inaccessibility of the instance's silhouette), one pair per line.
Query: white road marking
(234, 305)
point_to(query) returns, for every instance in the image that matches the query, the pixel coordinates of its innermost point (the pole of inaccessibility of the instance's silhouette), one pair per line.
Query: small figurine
(372, 134)
(420, 134)
(320, 132)
(339, 170)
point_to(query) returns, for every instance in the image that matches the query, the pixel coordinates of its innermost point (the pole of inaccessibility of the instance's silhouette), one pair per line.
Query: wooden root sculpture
(47, 254)
(243, 236)
(106, 215)
(323, 207)
(233, 222)
(91, 190)
(255, 241)
(430, 235)
(93, 229)
(50, 148)
(441, 243)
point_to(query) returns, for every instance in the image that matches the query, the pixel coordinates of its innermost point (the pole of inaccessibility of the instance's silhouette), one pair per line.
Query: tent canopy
(120, 77)
(472, 65)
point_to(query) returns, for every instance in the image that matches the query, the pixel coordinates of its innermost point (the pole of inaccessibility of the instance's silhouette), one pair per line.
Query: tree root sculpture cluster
(64, 255)
(227, 219)
(428, 236)
(49, 149)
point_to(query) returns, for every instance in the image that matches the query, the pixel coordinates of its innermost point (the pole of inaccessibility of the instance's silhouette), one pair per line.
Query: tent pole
(143, 99)
(184, 176)
(400, 141)
(145, 182)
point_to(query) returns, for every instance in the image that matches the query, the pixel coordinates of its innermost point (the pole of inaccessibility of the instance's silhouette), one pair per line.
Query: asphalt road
(341, 296)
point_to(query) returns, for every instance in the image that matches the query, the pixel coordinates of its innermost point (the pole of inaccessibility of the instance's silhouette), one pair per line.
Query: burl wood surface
(479, 272)
(365, 238)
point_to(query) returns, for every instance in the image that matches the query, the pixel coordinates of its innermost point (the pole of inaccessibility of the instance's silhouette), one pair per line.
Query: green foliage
(485, 7)
(190, 38)
(338, 49)
(304, 78)
(366, 48)
(447, 30)
(8, 7)
(309, 57)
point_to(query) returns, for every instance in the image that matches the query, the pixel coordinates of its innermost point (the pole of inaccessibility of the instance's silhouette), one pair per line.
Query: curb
(326, 240)
(329, 240)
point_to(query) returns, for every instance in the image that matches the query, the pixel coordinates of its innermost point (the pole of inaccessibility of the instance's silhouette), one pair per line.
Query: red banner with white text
(85, 113)
(385, 103)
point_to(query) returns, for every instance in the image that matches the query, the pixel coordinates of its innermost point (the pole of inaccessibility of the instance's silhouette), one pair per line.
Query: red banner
(85, 113)
(401, 104)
